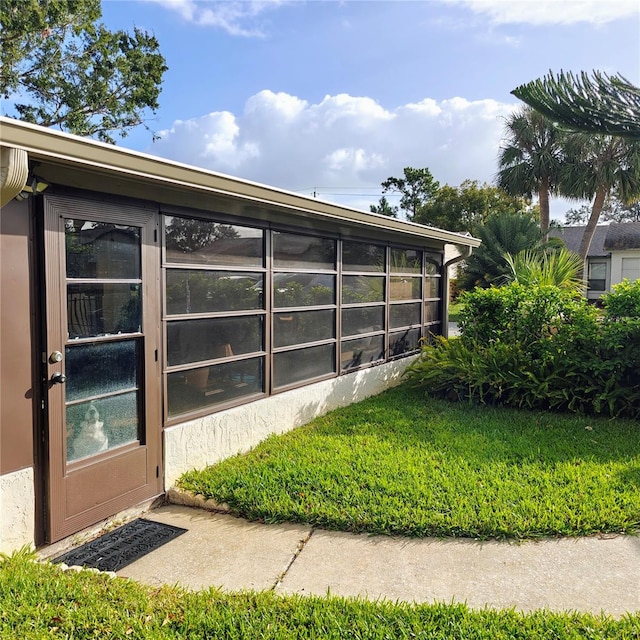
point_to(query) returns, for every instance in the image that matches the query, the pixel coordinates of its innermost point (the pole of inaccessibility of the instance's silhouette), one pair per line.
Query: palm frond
(598, 104)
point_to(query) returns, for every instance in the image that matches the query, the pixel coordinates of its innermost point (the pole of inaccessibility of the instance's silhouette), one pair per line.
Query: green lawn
(400, 463)
(40, 601)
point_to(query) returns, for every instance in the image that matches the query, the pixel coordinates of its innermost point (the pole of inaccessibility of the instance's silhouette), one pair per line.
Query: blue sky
(334, 97)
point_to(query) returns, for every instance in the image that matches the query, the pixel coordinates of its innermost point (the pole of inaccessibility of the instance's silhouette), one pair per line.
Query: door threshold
(49, 551)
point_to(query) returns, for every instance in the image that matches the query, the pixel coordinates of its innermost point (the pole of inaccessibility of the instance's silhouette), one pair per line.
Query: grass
(400, 463)
(41, 601)
(454, 311)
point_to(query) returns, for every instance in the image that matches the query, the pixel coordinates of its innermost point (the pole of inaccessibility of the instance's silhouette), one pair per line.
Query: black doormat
(122, 546)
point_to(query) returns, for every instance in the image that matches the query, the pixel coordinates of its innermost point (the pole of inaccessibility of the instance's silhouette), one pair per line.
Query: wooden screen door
(103, 375)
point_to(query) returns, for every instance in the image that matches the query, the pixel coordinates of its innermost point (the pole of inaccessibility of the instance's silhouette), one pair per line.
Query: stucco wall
(208, 440)
(17, 510)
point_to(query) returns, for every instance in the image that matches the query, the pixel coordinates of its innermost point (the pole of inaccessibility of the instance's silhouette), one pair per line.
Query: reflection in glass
(401, 315)
(100, 368)
(103, 309)
(100, 250)
(100, 425)
(358, 256)
(203, 242)
(432, 287)
(198, 340)
(362, 320)
(431, 268)
(216, 384)
(197, 291)
(362, 289)
(303, 289)
(404, 341)
(303, 252)
(290, 367)
(355, 353)
(404, 288)
(297, 327)
(431, 312)
(433, 257)
(406, 261)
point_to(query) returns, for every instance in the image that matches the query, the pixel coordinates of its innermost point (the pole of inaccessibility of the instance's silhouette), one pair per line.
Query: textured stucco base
(17, 509)
(205, 441)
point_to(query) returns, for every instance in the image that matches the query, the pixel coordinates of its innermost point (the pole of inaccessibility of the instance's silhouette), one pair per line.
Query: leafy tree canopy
(462, 208)
(384, 208)
(597, 104)
(613, 211)
(65, 69)
(416, 188)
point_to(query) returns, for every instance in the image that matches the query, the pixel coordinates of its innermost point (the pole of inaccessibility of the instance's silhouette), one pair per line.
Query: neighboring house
(614, 254)
(156, 317)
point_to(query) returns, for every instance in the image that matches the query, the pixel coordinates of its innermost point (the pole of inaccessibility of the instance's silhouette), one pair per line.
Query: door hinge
(156, 355)
(155, 235)
(157, 471)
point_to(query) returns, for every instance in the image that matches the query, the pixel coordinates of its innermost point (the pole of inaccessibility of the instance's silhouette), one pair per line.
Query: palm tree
(601, 104)
(559, 268)
(532, 160)
(597, 166)
(501, 234)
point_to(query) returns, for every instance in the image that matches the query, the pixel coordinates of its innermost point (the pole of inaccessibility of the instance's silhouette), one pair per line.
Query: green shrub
(623, 301)
(538, 347)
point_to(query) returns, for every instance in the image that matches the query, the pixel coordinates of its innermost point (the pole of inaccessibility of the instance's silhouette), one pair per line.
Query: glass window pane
(355, 353)
(598, 270)
(303, 289)
(213, 385)
(362, 289)
(211, 338)
(290, 367)
(406, 261)
(101, 368)
(401, 288)
(358, 256)
(100, 250)
(404, 342)
(362, 320)
(298, 327)
(303, 252)
(94, 427)
(197, 291)
(434, 258)
(432, 287)
(597, 280)
(431, 312)
(103, 309)
(431, 269)
(401, 315)
(204, 242)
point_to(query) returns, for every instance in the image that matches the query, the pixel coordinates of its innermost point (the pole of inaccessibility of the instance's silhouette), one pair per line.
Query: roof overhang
(59, 148)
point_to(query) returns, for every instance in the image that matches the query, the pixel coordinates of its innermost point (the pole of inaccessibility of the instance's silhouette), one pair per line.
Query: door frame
(59, 521)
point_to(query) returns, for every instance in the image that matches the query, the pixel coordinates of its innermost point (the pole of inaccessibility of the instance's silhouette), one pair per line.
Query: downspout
(444, 317)
(14, 171)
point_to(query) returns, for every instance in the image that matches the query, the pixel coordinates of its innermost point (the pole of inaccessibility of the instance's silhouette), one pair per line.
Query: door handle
(58, 378)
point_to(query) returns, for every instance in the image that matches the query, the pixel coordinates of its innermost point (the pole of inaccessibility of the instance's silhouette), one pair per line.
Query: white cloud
(234, 17)
(343, 144)
(542, 12)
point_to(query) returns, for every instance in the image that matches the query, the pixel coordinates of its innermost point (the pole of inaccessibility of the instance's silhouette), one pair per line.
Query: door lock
(58, 378)
(54, 357)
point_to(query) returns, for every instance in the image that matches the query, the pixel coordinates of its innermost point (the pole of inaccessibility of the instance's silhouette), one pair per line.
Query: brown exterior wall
(16, 379)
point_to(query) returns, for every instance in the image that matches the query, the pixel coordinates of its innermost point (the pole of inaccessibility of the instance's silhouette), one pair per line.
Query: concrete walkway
(598, 574)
